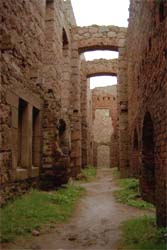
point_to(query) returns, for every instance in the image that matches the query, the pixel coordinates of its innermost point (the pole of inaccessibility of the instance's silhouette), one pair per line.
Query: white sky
(101, 12)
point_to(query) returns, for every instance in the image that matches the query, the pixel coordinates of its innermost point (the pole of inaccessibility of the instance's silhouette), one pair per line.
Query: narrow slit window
(35, 138)
(22, 132)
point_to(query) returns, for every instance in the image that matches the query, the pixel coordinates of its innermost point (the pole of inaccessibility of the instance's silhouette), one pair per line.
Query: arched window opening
(62, 127)
(65, 39)
(63, 140)
(135, 140)
(148, 161)
(22, 132)
(48, 14)
(35, 137)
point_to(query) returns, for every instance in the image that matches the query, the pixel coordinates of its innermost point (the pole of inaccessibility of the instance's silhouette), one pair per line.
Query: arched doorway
(148, 161)
(135, 155)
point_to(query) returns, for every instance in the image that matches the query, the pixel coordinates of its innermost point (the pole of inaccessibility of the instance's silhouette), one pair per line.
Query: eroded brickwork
(21, 60)
(105, 125)
(97, 37)
(36, 116)
(147, 96)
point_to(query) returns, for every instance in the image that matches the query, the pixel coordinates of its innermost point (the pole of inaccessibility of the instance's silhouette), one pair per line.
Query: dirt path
(95, 224)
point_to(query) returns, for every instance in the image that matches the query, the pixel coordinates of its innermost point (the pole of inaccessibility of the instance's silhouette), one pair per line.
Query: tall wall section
(147, 97)
(57, 87)
(36, 102)
(21, 100)
(105, 126)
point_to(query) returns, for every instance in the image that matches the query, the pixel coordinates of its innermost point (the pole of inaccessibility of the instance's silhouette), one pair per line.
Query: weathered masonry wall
(147, 97)
(46, 124)
(95, 37)
(21, 96)
(123, 139)
(36, 116)
(105, 125)
(57, 74)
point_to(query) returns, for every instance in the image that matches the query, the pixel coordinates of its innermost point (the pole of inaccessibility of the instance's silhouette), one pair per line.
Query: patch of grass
(129, 193)
(141, 234)
(88, 173)
(37, 208)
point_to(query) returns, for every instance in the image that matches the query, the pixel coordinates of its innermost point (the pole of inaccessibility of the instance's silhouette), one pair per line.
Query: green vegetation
(88, 173)
(141, 234)
(129, 192)
(37, 208)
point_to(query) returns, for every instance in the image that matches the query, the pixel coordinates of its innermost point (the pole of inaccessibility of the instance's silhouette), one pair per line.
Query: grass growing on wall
(142, 234)
(129, 192)
(88, 173)
(36, 209)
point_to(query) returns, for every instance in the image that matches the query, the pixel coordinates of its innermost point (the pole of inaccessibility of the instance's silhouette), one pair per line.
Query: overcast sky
(101, 12)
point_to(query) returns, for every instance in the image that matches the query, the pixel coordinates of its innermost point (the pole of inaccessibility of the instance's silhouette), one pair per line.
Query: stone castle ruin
(52, 125)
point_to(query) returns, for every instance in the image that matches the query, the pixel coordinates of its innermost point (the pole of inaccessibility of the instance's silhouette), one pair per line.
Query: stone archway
(96, 37)
(101, 67)
(91, 38)
(148, 160)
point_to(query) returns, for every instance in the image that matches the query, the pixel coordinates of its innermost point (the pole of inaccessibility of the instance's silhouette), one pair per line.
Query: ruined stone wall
(122, 93)
(58, 91)
(147, 89)
(53, 59)
(68, 13)
(36, 95)
(97, 37)
(22, 45)
(104, 112)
